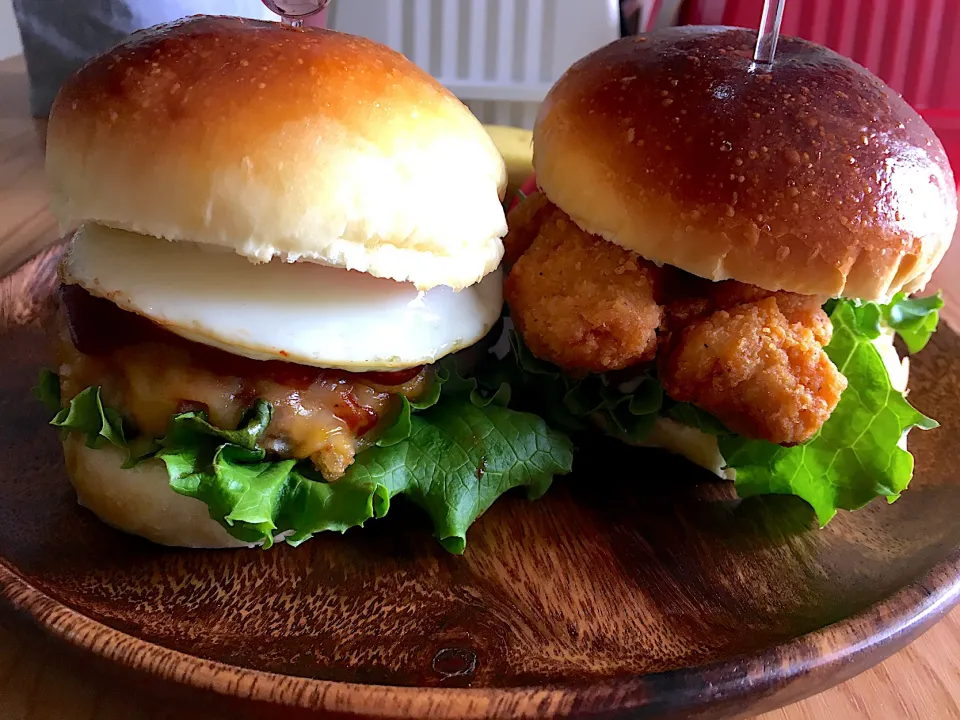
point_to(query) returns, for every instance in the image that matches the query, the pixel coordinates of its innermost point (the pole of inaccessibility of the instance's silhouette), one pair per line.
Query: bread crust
(815, 178)
(140, 500)
(277, 142)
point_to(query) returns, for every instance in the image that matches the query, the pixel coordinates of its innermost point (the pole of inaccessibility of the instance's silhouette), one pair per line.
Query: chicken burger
(719, 256)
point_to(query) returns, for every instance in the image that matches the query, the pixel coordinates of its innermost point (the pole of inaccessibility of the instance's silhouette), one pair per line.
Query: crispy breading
(581, 302)
(524, 223)
(752, 357)
(758, 365)
(692, 297)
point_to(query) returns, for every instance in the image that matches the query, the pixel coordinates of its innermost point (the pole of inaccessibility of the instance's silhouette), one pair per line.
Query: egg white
(299, 312)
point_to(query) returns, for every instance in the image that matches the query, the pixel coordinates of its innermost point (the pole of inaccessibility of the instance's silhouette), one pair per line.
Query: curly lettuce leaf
(86, 414)
(856, 455)
(186, 426)
(688, 414)
(258, 499)
(913, 319)
(452, 459)
(47, 390)
(453, 453)
(626, 410)
(459, 457)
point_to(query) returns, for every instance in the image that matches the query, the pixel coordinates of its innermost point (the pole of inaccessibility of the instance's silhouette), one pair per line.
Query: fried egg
(298, 312)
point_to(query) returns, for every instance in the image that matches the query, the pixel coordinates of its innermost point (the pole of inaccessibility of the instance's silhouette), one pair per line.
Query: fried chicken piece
(524, 223)
(754, 359)
(692, 297)
(579, 301)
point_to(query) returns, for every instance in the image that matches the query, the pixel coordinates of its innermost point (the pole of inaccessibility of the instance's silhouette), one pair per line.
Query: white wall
(9, 35)
(539, 38)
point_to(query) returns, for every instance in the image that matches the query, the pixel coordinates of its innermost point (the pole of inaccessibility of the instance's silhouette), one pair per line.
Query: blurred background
(501, 56)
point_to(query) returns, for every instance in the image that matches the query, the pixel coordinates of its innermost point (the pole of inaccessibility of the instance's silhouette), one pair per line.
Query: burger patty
(751, 357)
(149, 374)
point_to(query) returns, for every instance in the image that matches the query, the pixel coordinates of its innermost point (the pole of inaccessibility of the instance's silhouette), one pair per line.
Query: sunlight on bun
(816, 179)
(275, 142)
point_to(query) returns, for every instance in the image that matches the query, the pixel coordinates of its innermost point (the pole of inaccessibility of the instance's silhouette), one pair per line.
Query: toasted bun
(814, 178)
(277, 142)
(139, 500)
(698, 447)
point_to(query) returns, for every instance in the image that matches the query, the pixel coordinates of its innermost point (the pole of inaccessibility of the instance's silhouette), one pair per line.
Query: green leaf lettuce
(625, 408)
(914, 319)
(453, 453)
(856, 456)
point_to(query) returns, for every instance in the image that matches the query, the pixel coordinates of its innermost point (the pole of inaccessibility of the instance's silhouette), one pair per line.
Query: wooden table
(922, 681)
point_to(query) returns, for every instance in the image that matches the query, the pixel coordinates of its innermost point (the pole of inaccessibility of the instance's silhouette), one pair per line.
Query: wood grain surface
(922, 681)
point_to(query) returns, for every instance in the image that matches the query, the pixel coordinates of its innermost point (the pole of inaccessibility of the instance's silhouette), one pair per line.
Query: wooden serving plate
(637, 587)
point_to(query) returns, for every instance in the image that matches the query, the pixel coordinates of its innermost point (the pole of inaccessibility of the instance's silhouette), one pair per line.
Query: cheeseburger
(719, 257)
(280, 234)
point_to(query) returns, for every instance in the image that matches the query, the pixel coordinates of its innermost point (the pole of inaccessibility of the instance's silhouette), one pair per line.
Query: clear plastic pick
(292, 12)
(767, 35)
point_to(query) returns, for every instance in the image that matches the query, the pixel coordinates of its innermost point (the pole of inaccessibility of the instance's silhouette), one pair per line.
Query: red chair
(914, 45)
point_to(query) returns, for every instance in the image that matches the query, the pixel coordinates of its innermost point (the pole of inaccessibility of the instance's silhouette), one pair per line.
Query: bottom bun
(696, 446)
(140, 500)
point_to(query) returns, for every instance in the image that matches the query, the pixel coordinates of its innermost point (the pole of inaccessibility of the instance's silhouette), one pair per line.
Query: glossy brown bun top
(278, 142)
(814, 177)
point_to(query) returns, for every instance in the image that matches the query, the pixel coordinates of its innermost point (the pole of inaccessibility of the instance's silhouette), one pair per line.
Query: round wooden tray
(617, 594)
